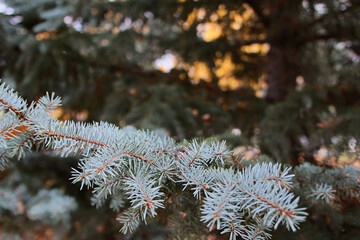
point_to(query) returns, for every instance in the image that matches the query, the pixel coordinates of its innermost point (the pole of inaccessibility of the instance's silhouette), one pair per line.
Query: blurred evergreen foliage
(283, 73)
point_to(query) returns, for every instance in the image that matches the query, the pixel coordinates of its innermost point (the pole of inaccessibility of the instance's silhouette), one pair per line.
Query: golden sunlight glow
(256, 48)
(59, 111)
(224, 66)
(248, 13)
(237, 20)
(209, 31)
(196, 14)
(212, 30)
(199, 71)
(224, 71)
(221, 12)
(229, 83)
(190, 19)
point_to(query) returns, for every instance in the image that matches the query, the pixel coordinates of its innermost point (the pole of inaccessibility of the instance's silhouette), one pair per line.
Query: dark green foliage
(99, 56)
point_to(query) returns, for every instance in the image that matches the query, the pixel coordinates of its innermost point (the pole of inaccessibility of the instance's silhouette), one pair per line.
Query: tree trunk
(282, 70)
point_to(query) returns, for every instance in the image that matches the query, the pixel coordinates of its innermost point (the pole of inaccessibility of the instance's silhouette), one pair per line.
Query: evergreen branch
(197, 177)
(76, 138)
(66, 136)
(140, 157)
(117, 202)
(329, 184)
(235, 226)
(219, 203)
(256, 231)
(136, 165)
(10, 201)
(49, 102)
(9, 123)
(269, 172)
(13, 109)
(130, 220)
(9, 99)
(195, 154)
(3, 154)
(107, 163)
(324, 17)
(324, 192)
(277, 210)
(143, 195)
(193, 159)
(113, 182)
(24, 142)
(275, 203)
(51, 206)
(108, 186)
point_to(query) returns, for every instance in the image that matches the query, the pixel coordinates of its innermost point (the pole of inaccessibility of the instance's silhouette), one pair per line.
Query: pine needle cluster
(140, 174)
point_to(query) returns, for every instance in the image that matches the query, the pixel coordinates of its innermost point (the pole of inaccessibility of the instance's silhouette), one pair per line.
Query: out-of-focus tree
(290, 26)
(281, 74)
(127, 53)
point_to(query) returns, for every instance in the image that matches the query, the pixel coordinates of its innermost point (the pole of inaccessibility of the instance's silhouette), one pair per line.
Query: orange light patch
(16, 131)
(42, 36)
(199, 71)
(224, 71)
(209, 31)
(256, 48)
(57, 112)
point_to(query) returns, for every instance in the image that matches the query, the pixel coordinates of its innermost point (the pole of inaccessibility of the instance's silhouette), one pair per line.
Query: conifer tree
(140, 172)
(139, 167)
(102, 57)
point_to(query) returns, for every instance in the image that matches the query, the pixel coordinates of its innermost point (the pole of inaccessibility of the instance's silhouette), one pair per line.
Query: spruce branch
(130, 220)
(331, 185)
(10, 201)
(51, 206)
(10, 100)
(324, 192)
(117, 201)
(143, 192)
(133, 168)
(235, 225)
(198, 178)
(8, 125)
(270, 201)
(221, 203)
(256, 231)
